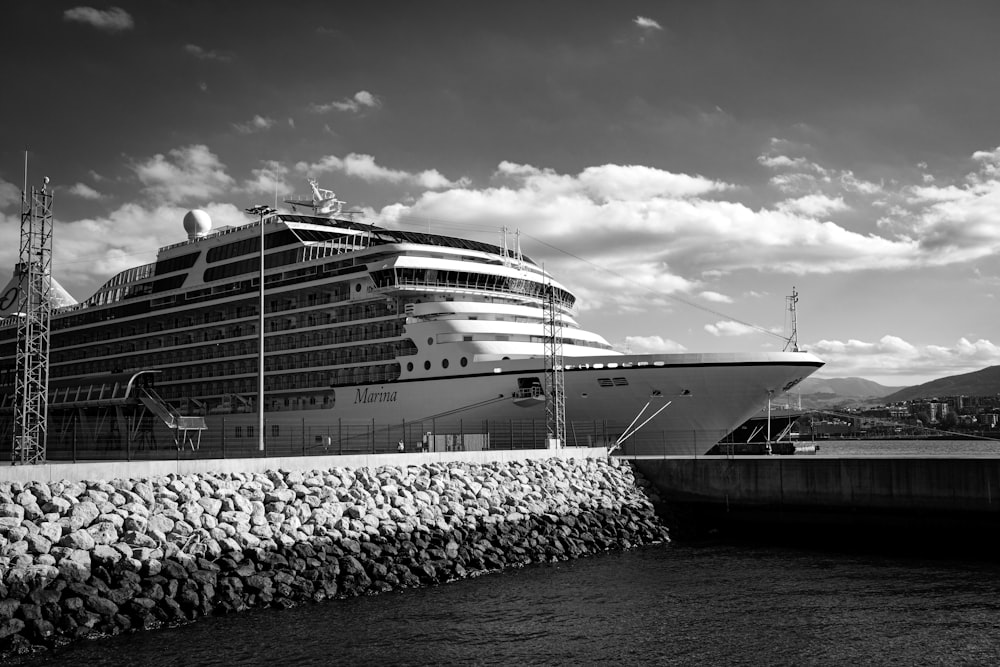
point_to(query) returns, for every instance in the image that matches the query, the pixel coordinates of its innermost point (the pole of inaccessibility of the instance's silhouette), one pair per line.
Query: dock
(872, 492)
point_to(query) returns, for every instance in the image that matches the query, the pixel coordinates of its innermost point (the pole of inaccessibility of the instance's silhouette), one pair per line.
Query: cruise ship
(409, 336)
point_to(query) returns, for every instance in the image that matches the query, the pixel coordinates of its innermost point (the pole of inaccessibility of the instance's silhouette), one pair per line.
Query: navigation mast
(34, 315)
(793, 340)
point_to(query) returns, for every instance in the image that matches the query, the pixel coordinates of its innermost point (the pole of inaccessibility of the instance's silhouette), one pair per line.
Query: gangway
(182, 426)
(109, 402)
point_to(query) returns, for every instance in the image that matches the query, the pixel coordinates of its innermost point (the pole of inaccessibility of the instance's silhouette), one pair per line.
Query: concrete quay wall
(108, 470)
(820, 488)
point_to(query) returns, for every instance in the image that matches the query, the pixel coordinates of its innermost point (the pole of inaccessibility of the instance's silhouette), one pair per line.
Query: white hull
(709, 395)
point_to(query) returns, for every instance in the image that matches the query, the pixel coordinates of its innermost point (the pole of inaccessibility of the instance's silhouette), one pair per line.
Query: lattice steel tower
(34, 313)
(555, 392)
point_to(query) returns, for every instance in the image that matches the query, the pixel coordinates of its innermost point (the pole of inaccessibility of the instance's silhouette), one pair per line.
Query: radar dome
(197, 223)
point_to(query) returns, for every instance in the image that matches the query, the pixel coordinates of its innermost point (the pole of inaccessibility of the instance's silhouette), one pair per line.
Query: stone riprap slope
(86, 558)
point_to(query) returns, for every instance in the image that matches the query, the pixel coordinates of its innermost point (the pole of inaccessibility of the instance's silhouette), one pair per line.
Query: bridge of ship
(122, 405)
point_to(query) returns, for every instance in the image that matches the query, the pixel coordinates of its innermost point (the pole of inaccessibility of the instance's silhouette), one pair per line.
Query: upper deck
(234, 250)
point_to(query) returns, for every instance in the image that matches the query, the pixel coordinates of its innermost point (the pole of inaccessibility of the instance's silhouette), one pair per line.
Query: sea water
(683, 604)
(707, 602)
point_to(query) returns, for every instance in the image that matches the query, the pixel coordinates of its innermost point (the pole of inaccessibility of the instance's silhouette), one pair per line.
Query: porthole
(409, 366)
(464, 362)
(427, 365)
(357, 287)
(444, 363)
(430, 341)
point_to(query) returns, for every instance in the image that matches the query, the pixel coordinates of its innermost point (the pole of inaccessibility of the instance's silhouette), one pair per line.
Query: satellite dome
(197, 223)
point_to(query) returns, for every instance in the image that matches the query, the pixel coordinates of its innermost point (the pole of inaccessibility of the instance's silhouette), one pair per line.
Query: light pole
(262, 211)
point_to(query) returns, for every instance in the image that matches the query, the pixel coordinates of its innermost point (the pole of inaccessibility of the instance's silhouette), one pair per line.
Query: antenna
(793, 340)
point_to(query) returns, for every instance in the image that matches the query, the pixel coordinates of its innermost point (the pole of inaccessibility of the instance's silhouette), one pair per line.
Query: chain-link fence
(117, 440)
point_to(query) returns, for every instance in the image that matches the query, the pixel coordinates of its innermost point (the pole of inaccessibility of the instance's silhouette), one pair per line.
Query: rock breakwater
(87, 558)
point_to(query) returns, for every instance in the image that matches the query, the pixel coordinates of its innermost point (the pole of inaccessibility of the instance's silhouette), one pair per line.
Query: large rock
(78, 539)
(85, 511)
(104, 532)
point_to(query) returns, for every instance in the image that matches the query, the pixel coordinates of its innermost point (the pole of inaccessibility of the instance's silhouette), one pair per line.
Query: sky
(680, 166)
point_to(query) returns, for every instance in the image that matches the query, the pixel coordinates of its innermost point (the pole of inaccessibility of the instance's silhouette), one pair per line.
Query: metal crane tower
(555, 392)
(34, 312)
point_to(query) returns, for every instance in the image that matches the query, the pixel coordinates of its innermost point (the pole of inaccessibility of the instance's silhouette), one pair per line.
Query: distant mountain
(985, 382)
(827, 392)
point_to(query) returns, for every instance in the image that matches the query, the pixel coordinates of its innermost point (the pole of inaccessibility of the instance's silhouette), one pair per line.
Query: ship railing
(529, 392)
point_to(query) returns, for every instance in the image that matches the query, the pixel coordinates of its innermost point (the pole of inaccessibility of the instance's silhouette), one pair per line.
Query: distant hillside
(985, 382)
(827, 392)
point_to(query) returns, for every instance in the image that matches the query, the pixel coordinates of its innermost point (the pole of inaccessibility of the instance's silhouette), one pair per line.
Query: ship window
(176, 263)
(430, 341)
(409, 366)
(239, 432)
(275, 430)
(427, 365)
(464, 362)
(444, 364)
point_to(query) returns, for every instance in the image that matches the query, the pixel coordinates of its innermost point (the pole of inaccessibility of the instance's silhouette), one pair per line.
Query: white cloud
(813, 206)
(647, 23)
(364, 167)
(957, 221)
(630, 182)
(660, 233)
(206, 54)
(785, 162)
(270, 179)
(361, 99)
(715, 297)
(187, 173)
(899, 362)
(853, 184)
(112, 20)
(651, 345)
(256, 124)
(798, 174)
(84, 191)
(9, 194)
(730, 328)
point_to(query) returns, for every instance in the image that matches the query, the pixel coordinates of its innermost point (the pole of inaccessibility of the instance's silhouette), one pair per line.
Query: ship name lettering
(366, 396)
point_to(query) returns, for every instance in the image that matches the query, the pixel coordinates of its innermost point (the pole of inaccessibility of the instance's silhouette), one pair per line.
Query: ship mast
(793, 340)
